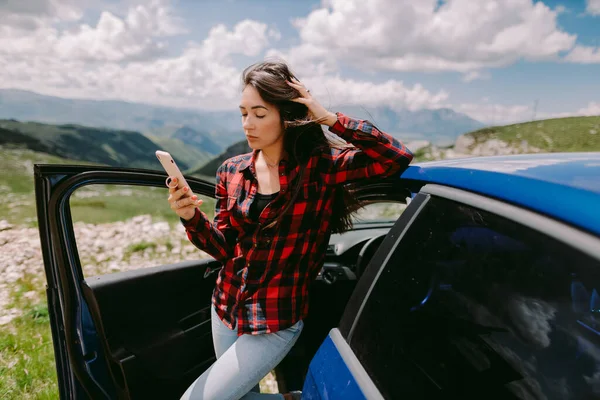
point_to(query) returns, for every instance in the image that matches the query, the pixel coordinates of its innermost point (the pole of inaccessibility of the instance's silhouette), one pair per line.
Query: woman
(276, 209)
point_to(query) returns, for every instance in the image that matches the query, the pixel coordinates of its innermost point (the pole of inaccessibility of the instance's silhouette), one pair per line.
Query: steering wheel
(366, 253)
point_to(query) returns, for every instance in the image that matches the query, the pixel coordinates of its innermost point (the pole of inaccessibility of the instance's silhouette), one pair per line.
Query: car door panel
(156, 324)
(336, 373)
(135, 334)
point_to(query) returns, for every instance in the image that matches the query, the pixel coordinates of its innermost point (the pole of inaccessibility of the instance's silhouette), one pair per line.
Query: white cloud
(136, 36)
(307, 59)
(592, 108)
(593, 7)
(495, 114)
(584, 55)
(248, 38)
(560, 9)
(203, 76)
(334, 91)
(476, 75)
(123, 56)
(405, 35)
(30, 14)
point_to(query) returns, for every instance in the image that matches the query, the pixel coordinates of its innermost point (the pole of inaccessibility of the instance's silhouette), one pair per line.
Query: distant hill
(210, 168)
(76, 142)
(222, 128)
(551, 135)
(571, 134)
(183, 153)
(201, 142)
(440, 126)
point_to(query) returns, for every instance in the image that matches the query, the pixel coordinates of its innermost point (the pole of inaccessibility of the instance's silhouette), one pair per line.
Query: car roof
(565, 186)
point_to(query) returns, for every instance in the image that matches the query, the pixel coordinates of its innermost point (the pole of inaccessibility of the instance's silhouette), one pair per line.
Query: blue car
(484, 286)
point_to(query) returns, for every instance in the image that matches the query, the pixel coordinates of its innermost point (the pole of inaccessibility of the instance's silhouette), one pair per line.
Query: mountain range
(216, 128)
(121, 133)
(91, 145)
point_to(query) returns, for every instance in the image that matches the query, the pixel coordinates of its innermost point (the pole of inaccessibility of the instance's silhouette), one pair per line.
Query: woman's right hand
(180, 201)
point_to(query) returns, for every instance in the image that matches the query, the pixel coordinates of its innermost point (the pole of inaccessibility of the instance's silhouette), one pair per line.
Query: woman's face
(260, 120)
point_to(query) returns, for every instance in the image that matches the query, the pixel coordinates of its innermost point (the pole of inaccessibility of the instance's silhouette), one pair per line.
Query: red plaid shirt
(266, 275)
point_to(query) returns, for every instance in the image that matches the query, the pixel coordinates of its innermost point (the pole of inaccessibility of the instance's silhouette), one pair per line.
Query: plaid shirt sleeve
(377, 154)
(216, 238)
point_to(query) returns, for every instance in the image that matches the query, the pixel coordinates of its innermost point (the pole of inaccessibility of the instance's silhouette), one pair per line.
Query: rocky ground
(466, 146)
(136, 243)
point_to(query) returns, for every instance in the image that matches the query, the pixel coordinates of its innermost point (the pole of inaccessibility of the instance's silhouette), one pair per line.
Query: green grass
(111, 205)
(16, 186)
(17, 168)
(141, 246)
(16, 182)
(27, 367)
(572, 134)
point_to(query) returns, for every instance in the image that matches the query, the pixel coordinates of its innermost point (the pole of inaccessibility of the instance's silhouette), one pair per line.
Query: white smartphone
(172, 169)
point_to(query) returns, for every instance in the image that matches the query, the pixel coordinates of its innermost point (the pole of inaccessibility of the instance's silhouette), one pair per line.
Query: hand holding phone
(181, 198)
(172, 170)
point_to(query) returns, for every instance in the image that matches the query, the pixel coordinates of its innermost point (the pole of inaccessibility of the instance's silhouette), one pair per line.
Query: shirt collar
(248, 161)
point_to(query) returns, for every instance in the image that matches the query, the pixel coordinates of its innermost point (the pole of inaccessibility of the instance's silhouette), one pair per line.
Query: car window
(379, 211)
(124, 227)
(474, 305)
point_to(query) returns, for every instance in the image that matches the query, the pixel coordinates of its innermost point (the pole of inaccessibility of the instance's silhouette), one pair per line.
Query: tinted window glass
(474, 305)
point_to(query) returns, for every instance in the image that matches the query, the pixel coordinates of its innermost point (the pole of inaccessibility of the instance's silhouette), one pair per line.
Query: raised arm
(377, 154)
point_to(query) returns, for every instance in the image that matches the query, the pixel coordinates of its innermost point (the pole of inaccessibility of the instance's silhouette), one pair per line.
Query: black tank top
(259, 203)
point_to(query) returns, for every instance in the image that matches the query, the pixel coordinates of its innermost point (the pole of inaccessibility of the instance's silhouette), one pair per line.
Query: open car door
(135, 334)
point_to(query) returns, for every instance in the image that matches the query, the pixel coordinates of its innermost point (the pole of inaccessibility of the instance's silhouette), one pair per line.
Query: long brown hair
(303, 137)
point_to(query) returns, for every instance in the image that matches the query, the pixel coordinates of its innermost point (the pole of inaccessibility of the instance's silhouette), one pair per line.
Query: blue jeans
(241, 363)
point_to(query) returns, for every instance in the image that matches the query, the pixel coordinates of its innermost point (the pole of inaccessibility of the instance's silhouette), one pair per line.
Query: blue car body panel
(564, 186)
(328, 376)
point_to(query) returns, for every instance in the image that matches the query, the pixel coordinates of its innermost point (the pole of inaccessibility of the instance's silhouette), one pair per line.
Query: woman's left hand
(316, 110)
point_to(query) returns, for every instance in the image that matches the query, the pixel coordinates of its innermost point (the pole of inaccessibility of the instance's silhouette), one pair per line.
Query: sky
(498, 61)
